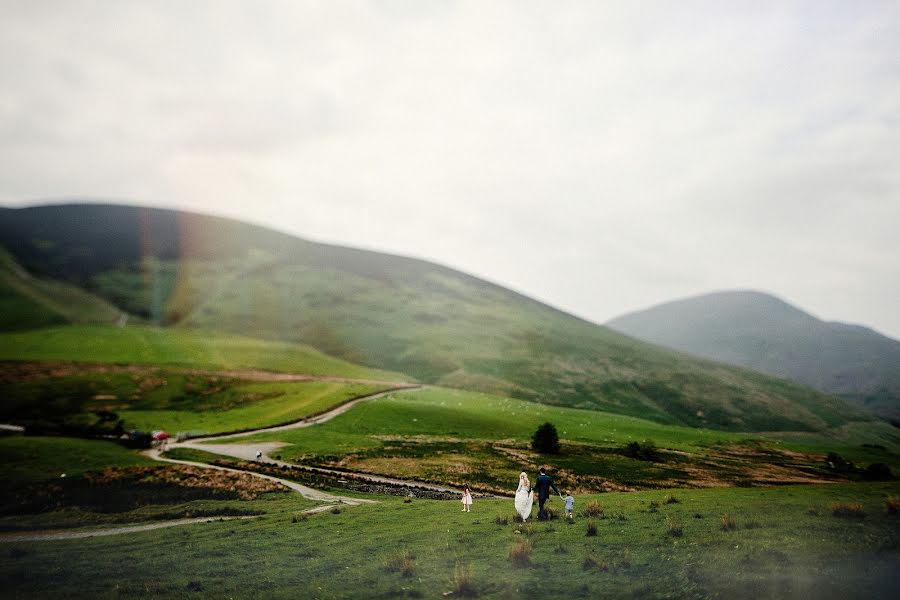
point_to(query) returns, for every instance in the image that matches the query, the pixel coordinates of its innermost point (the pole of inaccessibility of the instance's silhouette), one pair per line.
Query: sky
(602, 157)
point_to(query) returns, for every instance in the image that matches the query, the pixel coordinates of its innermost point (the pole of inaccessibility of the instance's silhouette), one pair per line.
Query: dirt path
(305, 422)
(71, 535)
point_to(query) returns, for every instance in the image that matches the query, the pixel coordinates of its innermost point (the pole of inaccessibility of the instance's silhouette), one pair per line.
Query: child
(570, 504)
(467, 499)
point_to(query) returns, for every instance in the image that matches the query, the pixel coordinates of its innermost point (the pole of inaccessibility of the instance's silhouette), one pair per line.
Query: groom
(543, 485)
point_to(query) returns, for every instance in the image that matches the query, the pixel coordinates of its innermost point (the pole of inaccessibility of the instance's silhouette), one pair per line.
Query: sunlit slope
(158, 346)
(392, 313)
(27, 302)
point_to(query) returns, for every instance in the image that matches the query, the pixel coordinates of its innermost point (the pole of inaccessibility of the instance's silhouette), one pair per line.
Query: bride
(524, 497)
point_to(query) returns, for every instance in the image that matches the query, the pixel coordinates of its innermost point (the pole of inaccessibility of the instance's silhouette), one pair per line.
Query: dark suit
(543, 485)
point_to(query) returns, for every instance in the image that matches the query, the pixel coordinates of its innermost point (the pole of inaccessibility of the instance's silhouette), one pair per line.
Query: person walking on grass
(467, 499)
(543, 485)
(570, 504)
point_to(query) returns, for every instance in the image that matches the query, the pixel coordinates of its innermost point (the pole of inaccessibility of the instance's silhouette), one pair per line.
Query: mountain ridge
(395, 313)
(756, 330)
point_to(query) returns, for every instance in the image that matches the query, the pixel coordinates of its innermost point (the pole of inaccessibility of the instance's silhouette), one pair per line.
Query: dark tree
(545, 440)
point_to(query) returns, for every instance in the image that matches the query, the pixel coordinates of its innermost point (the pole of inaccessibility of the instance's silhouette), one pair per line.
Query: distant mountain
(441, 326)
(761, 332)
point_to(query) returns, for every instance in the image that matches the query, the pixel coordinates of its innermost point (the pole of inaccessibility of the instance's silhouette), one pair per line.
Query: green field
(157, 346)
(785, 544)
(457, 437)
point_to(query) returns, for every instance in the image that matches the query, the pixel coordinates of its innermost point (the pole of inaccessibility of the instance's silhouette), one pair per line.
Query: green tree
(545, 440)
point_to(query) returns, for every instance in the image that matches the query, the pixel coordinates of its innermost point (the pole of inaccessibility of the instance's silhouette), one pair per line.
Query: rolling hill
(761, 332)
(185, 270)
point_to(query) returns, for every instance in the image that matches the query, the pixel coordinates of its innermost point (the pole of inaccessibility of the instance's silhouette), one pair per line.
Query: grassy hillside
(153, 345)
(758, 331)
(27, 302)
(192, 271)
(457, 437)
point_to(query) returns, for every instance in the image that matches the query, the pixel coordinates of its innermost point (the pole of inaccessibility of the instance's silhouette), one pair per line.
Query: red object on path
(159, 435)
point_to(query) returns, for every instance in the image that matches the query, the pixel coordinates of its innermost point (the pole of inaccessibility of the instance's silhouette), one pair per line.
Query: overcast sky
(600, 156)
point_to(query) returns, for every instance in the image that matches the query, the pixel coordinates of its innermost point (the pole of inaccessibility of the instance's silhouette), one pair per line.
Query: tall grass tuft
(850, 510)
(728, 523)
(463, 582)
(403, 562)
(592, 509)
(501, 520)
(591, 528)
(892, 504)
(674, 527)
(520, 554)
(671, 499)
(654, 506)
(592, 563)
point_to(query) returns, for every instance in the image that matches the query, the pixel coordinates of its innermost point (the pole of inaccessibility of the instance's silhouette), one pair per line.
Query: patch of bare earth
(246, 486)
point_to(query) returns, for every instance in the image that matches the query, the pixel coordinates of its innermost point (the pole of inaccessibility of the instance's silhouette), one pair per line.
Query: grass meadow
(785, 543)
(158, 346)
(457, 437)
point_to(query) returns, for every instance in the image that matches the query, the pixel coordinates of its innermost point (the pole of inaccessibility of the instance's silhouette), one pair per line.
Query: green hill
(186, 270)
(758, 331)
(27, 302)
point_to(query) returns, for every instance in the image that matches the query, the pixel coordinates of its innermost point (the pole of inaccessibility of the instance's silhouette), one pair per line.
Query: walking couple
(525, 495)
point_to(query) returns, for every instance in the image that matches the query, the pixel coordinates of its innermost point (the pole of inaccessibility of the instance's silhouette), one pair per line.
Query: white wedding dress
(524, 497)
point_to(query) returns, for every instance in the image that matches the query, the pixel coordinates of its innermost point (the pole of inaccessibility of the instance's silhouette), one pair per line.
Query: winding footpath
(247, 451)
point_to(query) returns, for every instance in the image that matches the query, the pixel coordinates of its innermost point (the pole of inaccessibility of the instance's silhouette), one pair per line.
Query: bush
(646, 451)
(877, 472)
(671, 499)
(674, 526)
(403, 562)
(520, 554)
(545, 440)
(654, 506)
(591, 528)
(592, 509)
(463, 583)
(501, 520)
(591, 563)
(851, 510)
(728, 523)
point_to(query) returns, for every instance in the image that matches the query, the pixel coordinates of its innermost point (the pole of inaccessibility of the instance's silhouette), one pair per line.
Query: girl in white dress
(467, 499)
(524, 497)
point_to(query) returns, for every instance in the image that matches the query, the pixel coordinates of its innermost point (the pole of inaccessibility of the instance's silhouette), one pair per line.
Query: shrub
(336, 510)
(852, 510)
(502, 520)
(892, 504)
(403, 562)
(545, 440)
(654, 506)
(674, 526)
(591, 528)
(527, 529)
(671, 499)
(520, 553)
(877, 472)
(646, 451)
(591, 563)
(592, 509)
(728, 523)
(463, 583)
